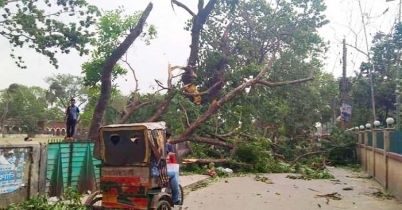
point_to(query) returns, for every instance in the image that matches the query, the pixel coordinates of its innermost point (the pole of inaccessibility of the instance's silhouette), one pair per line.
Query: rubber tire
(163, 205)
(92, 207)
(181, 191)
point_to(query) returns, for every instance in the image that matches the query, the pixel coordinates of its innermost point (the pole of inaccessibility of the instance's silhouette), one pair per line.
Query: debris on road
(225, 170)
(360, 176)
(331, 196)
(381, 195)
(262, 179)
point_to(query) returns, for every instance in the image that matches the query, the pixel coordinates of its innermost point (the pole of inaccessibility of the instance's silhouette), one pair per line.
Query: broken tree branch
(179, 4)
(357, 49)
(207, 161)
(217, 137)
(292, 82)
(170, 74)
(231, 133)
(306, 155)
(159, 83)
(161, 108)
(213, 109)
(134, 75)
(130, 113)
(205, 140)
(185, 113)
(204, 92)
(169, 96)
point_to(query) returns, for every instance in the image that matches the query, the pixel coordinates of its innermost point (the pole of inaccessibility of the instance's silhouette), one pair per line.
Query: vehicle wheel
(163, 205)
(96, 204)
(181, 194)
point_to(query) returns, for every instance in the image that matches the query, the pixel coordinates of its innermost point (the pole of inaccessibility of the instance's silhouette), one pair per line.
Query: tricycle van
(133, 169)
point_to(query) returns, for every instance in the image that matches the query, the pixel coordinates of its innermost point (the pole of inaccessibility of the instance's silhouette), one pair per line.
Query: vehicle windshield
(124, 147)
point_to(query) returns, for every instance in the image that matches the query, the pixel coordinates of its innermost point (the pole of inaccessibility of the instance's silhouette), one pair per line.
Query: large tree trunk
(107, 71)
(198, 22)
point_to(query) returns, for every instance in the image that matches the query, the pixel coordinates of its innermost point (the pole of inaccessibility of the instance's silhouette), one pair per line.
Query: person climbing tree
(71, 118)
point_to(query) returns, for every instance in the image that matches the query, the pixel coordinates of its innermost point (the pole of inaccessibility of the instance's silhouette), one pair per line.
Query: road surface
(245, 193)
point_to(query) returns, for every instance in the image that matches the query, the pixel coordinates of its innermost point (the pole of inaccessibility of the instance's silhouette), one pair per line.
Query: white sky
(172, 44)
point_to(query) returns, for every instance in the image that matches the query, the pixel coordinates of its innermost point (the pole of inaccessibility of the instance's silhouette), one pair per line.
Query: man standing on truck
(71, 119)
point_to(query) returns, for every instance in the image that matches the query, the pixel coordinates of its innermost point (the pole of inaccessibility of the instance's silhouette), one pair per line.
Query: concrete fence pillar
(365, 134)
(361, 137)
(374, 146)
(387, 132)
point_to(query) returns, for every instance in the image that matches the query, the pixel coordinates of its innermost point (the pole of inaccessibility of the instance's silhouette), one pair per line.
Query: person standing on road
(71, 118)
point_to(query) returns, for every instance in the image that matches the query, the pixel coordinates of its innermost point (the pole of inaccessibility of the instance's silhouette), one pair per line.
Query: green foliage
(308, 173)
(63, 87)
(70, 200)
(38, 25)
(112, 29)
(293, 109)
(384, 76)
(342, 147)
(93, 72)
(28, 105)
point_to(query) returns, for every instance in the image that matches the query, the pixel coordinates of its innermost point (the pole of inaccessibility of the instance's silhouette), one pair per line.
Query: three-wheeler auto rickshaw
(133, 169)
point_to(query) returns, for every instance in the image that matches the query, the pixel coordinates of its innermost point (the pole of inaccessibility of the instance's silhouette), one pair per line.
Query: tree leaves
(30, 24)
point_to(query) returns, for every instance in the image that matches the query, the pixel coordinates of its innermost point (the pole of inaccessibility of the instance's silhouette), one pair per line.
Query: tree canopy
(44, 26)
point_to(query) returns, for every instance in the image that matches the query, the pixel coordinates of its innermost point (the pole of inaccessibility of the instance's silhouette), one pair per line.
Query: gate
(70, 164)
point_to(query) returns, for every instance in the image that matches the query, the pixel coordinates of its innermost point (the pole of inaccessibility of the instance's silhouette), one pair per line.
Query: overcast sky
(172, 44)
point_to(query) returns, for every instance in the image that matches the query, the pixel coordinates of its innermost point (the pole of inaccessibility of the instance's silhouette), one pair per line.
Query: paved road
(245, 193)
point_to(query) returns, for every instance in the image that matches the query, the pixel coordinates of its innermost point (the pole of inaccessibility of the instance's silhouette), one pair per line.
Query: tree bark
(198, 22)
(161, 108)
(107, 70)
(306, 155)
(213, 109)
(207, 161)
(132, 110)
(205, 140)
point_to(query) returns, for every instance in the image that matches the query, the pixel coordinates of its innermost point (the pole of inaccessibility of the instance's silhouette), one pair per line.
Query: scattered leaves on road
(262, 179)
(331, 196)
(297, 177)
(381, 195)
(360, 176)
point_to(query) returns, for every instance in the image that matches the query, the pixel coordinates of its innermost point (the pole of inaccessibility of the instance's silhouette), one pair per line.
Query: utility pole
(344, 82)
(370, 70)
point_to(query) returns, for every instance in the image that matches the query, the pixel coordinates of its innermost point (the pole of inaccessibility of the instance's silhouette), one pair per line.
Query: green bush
(71, 200)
